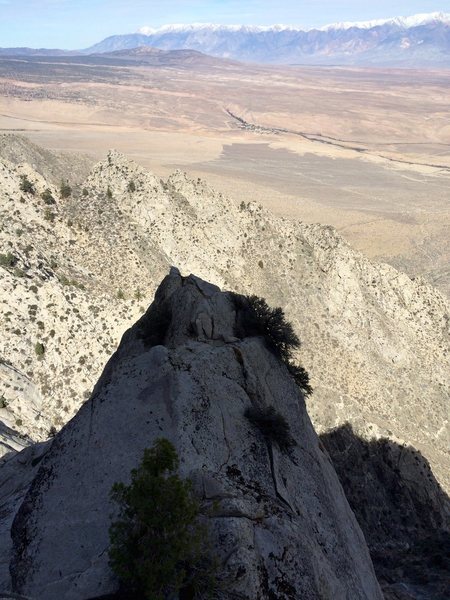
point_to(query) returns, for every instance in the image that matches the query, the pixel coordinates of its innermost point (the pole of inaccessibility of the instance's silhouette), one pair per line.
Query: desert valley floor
(367, 151)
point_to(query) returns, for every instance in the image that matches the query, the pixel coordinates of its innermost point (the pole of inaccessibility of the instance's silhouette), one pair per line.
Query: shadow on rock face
(401, 509)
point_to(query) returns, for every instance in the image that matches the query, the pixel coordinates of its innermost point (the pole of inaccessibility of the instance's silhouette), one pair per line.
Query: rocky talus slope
(281, 526)
(375, 342)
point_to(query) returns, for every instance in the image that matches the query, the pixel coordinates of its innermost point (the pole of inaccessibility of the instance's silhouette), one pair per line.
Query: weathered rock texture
(281, 526)
(375, 342)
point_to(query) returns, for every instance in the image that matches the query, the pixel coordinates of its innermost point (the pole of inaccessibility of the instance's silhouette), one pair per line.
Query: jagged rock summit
(282, 527)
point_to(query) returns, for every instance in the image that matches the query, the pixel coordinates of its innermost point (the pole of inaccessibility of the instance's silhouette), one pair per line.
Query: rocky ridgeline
(374, 341)
(53, 166)
(279, 523)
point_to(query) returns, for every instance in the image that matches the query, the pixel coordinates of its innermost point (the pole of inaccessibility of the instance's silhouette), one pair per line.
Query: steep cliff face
(281, 527)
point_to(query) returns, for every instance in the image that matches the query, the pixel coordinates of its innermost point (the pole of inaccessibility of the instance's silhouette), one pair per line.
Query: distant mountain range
(416, 41)
(420, 40)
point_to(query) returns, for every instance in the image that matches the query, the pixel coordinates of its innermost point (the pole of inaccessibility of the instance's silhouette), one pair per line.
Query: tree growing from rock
(256, 318)
(157, 543)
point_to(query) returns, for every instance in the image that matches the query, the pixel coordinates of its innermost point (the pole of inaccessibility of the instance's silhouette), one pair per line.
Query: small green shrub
(120, 295)
(8, 260)
(3, 402)
(109, 193)
(49, 215)
(157, 544)
(66, 281)
(18, 272)
(39, 349)
(47, 197)
(131, 187)
(63, 280)
(65, 191)
(26, 185)
(272, 425)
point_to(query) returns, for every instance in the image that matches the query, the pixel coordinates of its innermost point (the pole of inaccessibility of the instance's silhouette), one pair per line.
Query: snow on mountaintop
(404, 22)
(180, 27)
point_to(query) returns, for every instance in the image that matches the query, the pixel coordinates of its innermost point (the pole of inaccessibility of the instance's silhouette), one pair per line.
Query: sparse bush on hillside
(109, 193)
(272, 425)
(49, 215)
(17, 272)
(120, 295)
(7, 260)
(64, 280)
(65, 191)
(131, 187)
(47, 197)
(39, 349)
(158, 548)
(26, 185)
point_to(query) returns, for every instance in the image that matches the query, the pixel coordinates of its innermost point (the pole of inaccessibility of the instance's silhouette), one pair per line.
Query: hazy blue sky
(80, 23)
